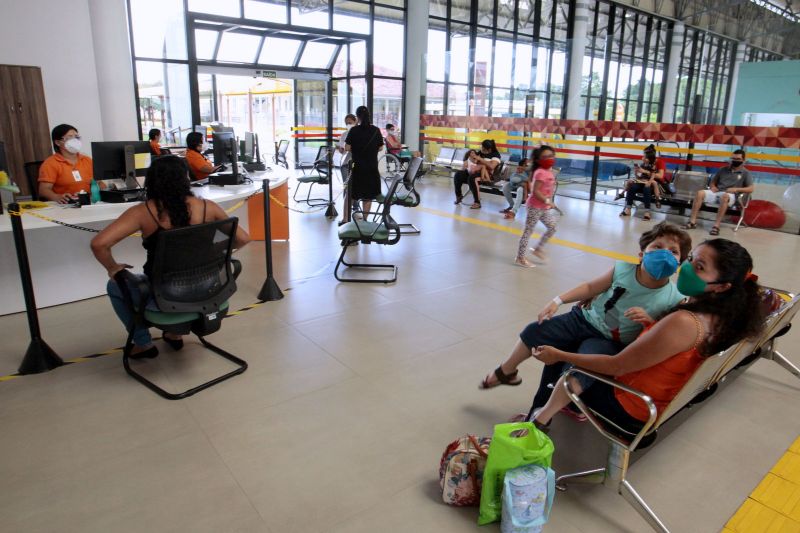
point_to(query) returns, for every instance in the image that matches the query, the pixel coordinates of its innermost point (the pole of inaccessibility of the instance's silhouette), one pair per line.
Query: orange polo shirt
(66, 177)
(196, 161)
(155, 149)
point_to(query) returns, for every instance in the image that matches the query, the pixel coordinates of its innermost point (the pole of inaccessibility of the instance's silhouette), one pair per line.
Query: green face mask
(689, 283)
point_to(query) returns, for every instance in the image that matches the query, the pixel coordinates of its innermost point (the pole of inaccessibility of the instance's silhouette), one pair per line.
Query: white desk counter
(62, 265)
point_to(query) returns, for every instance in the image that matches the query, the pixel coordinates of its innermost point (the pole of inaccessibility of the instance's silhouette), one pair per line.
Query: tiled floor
(353, 391)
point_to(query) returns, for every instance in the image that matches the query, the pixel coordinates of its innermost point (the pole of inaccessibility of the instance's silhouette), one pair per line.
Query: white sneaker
(540, 255)
(523, 263)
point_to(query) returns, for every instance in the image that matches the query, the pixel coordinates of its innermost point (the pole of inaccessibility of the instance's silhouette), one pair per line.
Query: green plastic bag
(507, 452)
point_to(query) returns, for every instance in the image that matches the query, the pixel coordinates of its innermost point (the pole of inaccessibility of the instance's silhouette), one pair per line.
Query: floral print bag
(461, 470)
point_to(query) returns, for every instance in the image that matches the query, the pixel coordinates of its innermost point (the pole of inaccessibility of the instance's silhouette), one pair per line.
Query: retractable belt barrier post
(270, 290)
(39, 357)
(331, 211)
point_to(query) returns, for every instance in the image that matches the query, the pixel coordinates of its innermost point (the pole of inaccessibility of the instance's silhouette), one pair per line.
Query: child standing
(539, 204)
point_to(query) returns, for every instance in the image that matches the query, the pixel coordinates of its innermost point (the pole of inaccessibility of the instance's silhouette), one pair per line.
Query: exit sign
(267, 74)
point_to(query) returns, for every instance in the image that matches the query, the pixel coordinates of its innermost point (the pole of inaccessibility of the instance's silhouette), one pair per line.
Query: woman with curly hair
(723, 307)
(170, 204)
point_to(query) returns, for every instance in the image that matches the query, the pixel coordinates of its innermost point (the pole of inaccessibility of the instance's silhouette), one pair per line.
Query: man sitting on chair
(725, 185)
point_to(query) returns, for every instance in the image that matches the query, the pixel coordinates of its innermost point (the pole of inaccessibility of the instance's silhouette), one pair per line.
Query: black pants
(636, 188)
(461, 177)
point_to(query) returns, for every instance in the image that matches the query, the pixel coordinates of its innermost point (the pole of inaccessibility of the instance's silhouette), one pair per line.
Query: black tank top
(149, 242)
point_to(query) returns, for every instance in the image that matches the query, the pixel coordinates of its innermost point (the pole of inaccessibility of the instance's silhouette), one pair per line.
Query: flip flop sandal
(646, 216)
(502, 379)
(714, 231)
(689, 225)
(624, 213)
(458, 201)
(475, 206)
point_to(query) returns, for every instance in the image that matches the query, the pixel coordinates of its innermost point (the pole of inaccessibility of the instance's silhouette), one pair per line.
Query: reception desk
(62, 265)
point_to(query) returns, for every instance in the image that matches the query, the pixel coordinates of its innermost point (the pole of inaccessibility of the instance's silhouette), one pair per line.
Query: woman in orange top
(718, 282)
(67, 172)
(199, 165)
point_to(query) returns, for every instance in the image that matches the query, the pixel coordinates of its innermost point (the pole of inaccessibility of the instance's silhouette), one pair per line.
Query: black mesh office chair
(32, 175)
(318, 175)
(193, 277)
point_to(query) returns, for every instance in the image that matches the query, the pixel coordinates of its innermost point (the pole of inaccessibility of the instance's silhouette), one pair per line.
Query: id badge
(77, 175)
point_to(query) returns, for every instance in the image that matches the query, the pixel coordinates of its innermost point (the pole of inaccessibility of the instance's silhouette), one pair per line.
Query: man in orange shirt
(67, 172)
(199, 164)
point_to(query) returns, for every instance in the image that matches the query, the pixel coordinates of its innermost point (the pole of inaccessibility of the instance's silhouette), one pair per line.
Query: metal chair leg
(781, 359)
(342, 261)
(588, 477)
(413, 231)
(627, 491)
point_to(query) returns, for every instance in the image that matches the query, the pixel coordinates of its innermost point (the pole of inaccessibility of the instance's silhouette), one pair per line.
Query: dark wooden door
(24, 127)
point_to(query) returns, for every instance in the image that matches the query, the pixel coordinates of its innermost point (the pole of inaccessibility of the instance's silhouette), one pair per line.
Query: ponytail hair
(738, 312)
(537, 154)
(650, 152)
(363, 116)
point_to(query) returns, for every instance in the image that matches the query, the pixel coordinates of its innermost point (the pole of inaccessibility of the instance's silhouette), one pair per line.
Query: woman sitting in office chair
(170, 204)
(155, 146)
(199, 165)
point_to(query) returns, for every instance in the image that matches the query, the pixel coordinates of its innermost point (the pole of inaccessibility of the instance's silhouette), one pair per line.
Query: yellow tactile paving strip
(774, 505)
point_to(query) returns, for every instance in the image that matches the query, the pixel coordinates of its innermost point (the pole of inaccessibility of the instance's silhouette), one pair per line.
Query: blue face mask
(660, 263)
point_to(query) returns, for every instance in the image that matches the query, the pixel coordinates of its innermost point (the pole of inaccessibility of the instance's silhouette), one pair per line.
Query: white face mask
(73, 145)
(350, 126)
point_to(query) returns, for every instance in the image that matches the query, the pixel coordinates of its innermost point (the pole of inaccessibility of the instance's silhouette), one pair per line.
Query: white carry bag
(528, 493)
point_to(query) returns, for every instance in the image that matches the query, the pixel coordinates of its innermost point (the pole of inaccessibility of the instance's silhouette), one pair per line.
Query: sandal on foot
(689, 225)
(509, 214)
(658, 204)
(577, 416)
(714, 231)
(524, 263)
(458, 201)
(625, 213)
(502, 379)
(476, 205)
(646, 216)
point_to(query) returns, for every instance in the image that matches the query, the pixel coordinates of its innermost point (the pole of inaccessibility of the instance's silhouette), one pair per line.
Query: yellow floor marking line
(515, 231)
(774, 505)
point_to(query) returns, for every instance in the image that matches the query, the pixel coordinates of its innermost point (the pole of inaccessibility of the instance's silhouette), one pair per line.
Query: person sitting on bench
(170, 204)
(467, 175)
(488, 158)
(718, 280)
(725, 185)
(648, 180)
(519, 181)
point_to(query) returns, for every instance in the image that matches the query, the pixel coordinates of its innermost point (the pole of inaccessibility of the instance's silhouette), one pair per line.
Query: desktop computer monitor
(121, 160)
(249, 152)
(219, 128)
(225, 151)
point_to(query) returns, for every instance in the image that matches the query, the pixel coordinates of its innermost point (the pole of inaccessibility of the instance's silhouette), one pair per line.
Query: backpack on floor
(461, 470)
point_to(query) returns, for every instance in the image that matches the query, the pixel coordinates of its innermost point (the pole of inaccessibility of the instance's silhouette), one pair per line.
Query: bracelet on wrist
(557, 300)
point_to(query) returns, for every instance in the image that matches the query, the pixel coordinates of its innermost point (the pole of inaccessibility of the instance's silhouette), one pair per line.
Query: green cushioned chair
(318, 176)
(193, 277)
(382, 230)
(407, 194)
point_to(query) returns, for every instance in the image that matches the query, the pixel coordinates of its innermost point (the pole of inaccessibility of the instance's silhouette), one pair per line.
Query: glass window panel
(526, 18)
(358, 58)
(163, 36)
(387, 102)
(501, 100)
(503, 52)
(164, 100)
(394, 3)
(541, 68)
(227, 8)
(205, 42)
(486, 13)
(238, 47)
(273, 11)
(483, 61)
(556, 103)
(351, 17)
(278, 51)
(204, 84)
(479, 103)
(559, 71)
(519, 103)
(340, 103)
(388, 49)
(358, 93)
(437, 8)
(457, 100)
(505, 15)
(460, 11)
(314, 16)
(434, 99)
(435, 59)
(459, 54)
(317, 55)
(522, 65)
(340, 65)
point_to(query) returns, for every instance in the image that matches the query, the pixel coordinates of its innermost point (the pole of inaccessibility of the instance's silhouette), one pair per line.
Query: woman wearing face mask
(649, 177)
(349, 122)
(67, 172)
(540, 205)
(199, 165)
(364, 141)
(717, 279)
